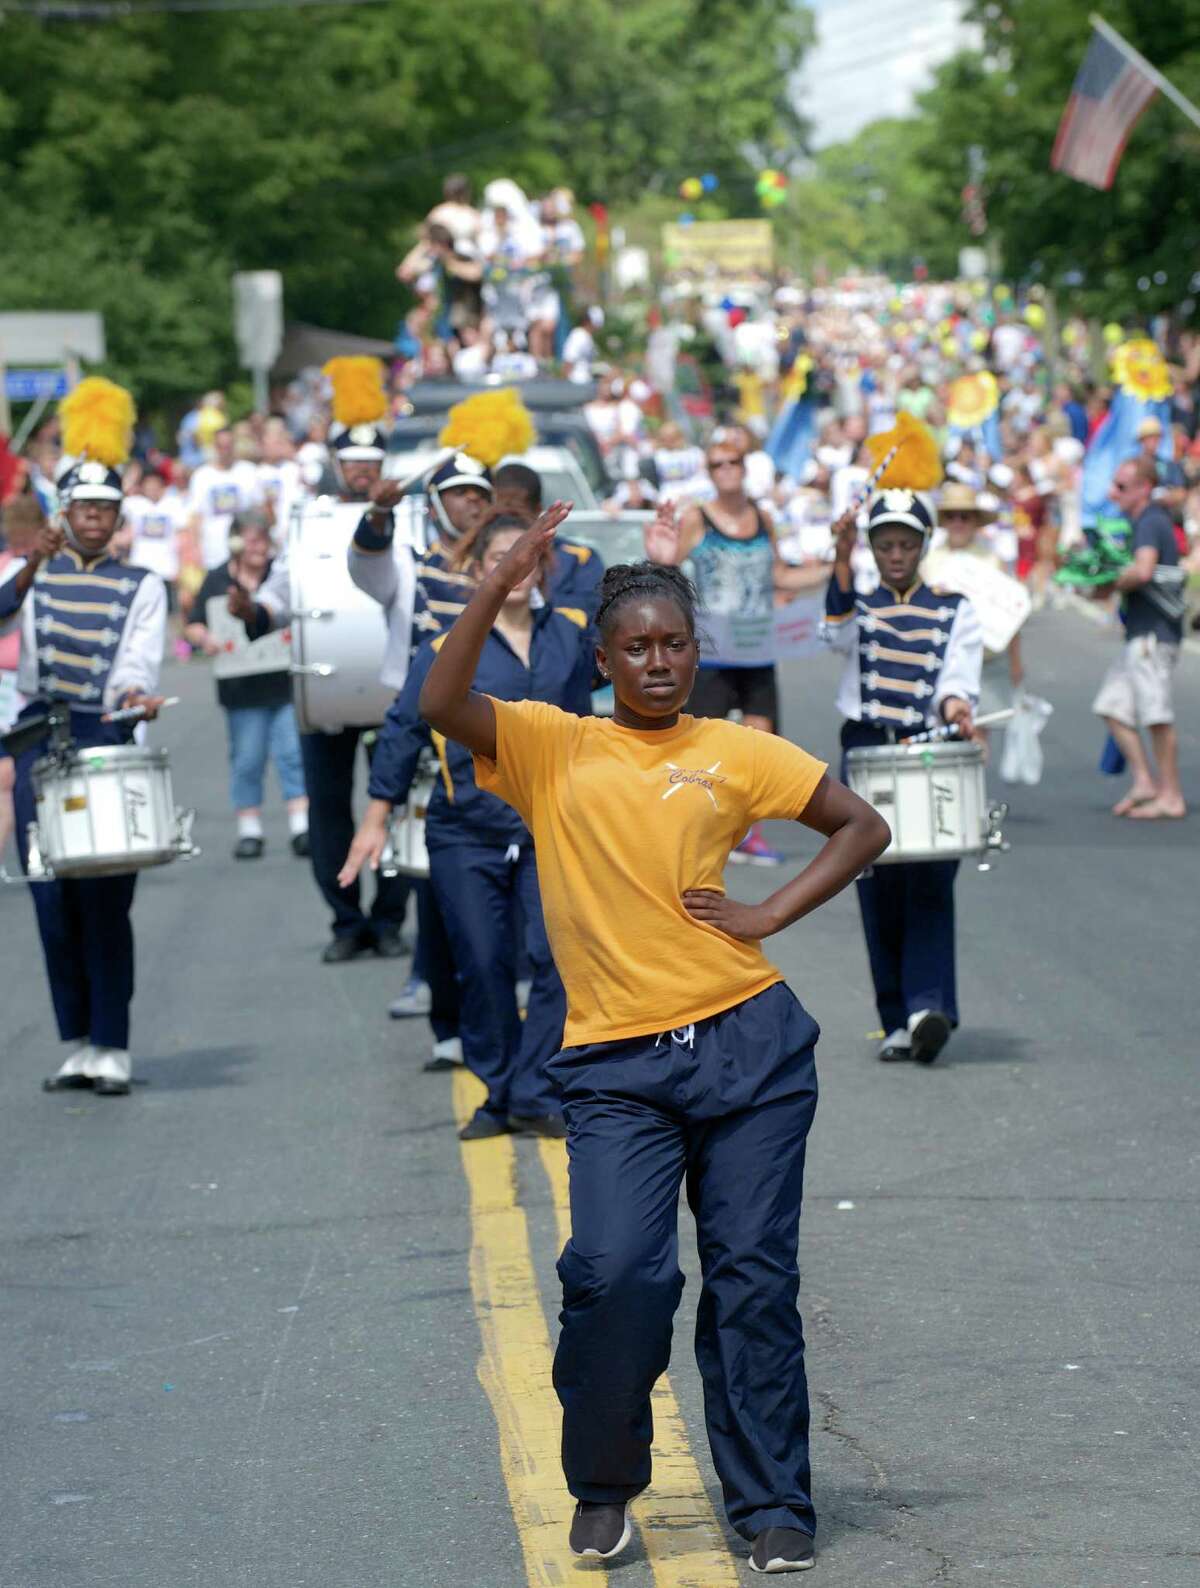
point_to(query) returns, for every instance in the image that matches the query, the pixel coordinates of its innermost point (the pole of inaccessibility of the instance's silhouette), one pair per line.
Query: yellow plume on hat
(97, 420)
(489, 426)
(358, 394)
(917, 465)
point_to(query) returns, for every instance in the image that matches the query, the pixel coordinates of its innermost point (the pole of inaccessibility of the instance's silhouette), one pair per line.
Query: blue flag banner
(1114, 442)
(793, 437)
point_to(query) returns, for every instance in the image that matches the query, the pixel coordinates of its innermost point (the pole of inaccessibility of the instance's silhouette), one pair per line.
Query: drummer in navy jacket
(480, 853)
(913, 661)
(92, 637)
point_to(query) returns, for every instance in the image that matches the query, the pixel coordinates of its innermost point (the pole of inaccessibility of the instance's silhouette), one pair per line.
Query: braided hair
(630, 581)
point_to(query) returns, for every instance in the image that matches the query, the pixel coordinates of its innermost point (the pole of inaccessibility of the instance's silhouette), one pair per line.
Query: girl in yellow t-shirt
(685, 1052)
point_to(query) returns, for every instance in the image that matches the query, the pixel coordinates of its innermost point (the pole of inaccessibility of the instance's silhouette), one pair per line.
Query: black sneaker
(602, 1530)
(248, 848)
(483, 1125)
(782, 1549)
(390, 944)
(340, 950)
(300, 844)
(552, 1125)
(930, 1032)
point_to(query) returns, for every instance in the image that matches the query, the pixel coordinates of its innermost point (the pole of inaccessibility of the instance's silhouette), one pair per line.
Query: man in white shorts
(1136, 692)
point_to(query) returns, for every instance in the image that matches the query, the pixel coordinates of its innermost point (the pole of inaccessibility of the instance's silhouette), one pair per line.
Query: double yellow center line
(683, 1540)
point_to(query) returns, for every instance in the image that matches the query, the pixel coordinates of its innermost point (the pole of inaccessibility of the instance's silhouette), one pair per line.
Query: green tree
(144, 159)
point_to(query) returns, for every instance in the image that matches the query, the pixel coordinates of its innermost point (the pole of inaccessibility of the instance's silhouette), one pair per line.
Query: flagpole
(1167, 89)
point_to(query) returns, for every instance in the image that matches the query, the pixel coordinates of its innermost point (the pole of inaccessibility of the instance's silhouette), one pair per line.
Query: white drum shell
(933, 797)
(105, 811)
(407, 853)
(339, 634)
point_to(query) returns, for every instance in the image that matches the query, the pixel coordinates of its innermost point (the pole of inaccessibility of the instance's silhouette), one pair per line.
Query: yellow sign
(734, 248)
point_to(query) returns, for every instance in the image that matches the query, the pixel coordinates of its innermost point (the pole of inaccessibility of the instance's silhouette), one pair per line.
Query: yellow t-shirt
(623, 822)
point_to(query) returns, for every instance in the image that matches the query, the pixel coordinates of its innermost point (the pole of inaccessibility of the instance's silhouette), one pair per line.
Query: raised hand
(384, 494)
(662, 536)
(240, 603)
(524, 556)
(845, 534)
(50, 539)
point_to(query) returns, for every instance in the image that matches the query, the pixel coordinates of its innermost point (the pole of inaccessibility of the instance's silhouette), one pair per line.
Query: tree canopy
(146, 158)
(894, 193)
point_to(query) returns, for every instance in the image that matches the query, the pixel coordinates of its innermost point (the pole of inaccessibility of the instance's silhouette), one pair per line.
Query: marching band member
(576, 571)
(437, 526)
(92, 636)
(358, 446)
(686, 1053)
(913, 660)
(481, 856)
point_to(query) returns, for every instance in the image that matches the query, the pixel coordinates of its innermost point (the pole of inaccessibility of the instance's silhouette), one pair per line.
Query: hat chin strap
(443, 518)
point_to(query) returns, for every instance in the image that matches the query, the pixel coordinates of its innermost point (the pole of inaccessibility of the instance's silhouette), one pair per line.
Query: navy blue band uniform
(482, 866)
(906, 652)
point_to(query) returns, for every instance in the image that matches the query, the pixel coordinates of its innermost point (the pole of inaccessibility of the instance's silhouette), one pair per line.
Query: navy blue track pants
(725, 1106)
(482, 894)
(84, 923)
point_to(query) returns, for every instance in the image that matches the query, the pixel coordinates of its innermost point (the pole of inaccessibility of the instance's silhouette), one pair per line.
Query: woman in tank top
(729, 547)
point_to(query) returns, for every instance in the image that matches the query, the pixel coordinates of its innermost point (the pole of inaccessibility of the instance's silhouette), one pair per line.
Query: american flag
(1110, 93)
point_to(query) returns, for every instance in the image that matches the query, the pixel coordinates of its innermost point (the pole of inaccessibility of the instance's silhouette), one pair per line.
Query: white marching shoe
(929, 1031)
(447, 1055)
(112, 1072)
(897, 1045)
(74, 1074)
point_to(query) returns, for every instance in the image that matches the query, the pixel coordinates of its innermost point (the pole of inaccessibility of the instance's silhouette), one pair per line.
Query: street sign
(258, 317)
(30, 385)
(35, 338)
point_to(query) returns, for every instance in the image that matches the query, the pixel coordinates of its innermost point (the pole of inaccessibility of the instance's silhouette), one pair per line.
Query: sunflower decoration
(973, 399)
(1141, 370)
(489, 426)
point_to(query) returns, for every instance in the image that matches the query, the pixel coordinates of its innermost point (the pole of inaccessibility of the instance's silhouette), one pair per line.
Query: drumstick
(133, 713)
(951, 730)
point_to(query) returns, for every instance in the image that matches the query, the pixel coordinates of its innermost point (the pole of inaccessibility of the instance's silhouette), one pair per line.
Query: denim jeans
(257, 733)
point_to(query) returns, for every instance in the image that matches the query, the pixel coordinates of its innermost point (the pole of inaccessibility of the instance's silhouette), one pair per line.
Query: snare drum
(406, 854)
(932, 796)
(105, 811)
(339, 634)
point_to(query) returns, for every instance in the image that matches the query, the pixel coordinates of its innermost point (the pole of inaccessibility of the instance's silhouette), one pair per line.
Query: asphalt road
(244, 1310)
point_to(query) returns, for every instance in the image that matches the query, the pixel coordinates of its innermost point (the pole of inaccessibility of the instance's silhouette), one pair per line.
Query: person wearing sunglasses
(730, 547)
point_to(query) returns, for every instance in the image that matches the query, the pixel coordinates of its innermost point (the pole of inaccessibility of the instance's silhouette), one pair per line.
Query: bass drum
(932, 796)
(339, 634)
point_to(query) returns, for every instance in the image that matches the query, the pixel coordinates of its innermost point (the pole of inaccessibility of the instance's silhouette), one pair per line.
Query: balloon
(900, 328)
(779, 179)
(709, 182)
(686, 220)
(1000, 292)
(949, 346)
(978, 288)
(1114, 333)
(691, 188)
(979, 340)
(1035, 316)
(1070, 335)
(774, 198)
(896, 305)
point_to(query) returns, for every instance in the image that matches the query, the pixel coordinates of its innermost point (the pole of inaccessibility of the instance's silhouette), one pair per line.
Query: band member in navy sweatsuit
(913, 661)
(92, 637)
(480, 853)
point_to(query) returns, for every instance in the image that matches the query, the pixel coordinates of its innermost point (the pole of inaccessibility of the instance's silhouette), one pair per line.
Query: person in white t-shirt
(158, 517)
(279, 477)
(615, 419)
(217, 491)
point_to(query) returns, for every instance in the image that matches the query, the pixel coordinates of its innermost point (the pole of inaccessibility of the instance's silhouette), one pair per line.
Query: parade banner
(735, 248)
(790, 632)
(239, 656)
(1001, 602)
